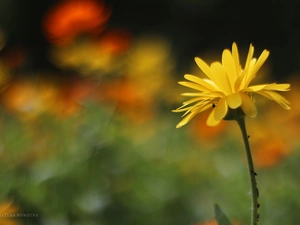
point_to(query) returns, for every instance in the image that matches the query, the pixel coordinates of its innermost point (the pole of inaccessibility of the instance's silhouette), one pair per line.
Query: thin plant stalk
(252, 173)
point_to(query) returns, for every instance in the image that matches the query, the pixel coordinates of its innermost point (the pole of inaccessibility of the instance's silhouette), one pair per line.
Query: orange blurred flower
(270, 146)
(269, 151)
(71, 18)
(211, 222)
(29, 98)
(131, 103)
(71, 94)
(206, 133)
(273, 143)
(7, 213)
(214, 222)
(292, 120)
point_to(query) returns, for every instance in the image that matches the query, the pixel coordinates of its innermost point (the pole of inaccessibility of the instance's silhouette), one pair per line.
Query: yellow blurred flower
(90, 57)
(150, 64)
(29, 98)
(7, 213)
(228, 86)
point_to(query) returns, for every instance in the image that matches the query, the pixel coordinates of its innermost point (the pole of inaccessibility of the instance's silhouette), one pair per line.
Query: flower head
(228, 87)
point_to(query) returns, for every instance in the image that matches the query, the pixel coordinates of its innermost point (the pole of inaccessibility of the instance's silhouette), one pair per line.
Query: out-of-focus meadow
(87, 135)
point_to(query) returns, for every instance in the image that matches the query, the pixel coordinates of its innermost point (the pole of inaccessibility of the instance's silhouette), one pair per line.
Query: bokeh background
(87, 132)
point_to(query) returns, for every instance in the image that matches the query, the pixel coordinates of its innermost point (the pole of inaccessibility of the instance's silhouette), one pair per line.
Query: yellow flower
(228, 86)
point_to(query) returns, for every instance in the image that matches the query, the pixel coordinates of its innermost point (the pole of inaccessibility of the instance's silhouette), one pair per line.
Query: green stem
(254, 189)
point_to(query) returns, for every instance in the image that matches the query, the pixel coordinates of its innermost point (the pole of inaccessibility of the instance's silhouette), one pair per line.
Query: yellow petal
(192, 94)
(199, 81)
(192, 110)
(275, 97)
(212, 83)
(236, 59)
(234, 100)
(203, 66)
(249, 56)
(195, 86)
(221, 109)
(186, 119)
(244, 82)
(220, 78)
(181, 109)
(268, 87)
(228, 64)
(248, 105)
(211, 121)
(192, 100)
(198, 108)
(255, 88)
(238, 83)
(278, 87)
(262, 58)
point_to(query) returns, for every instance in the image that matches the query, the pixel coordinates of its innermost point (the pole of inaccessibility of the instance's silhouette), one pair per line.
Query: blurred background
(87, 133)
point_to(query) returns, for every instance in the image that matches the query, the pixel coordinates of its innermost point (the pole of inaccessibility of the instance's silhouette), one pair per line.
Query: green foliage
(96, 167)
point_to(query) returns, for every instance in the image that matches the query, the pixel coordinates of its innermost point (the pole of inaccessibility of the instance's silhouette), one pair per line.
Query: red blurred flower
(71, 94)
(115, 41)
(15, 57)
(74, 17)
